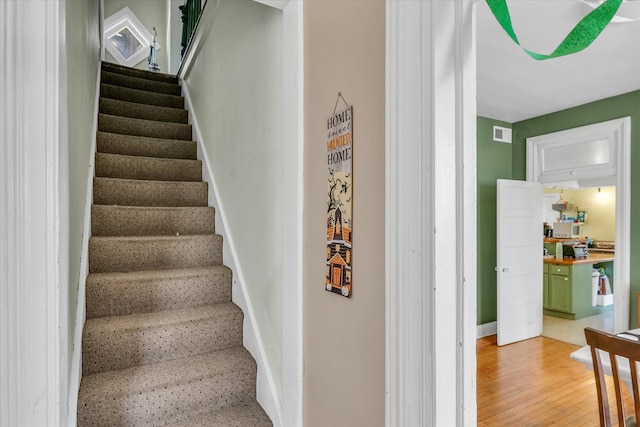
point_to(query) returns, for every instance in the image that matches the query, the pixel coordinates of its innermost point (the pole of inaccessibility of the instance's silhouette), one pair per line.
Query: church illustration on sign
(338, 274)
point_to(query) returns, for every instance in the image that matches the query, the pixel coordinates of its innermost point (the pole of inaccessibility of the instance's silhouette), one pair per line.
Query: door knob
(505, 270)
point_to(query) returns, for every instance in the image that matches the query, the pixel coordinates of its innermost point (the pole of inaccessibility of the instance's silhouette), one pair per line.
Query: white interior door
(519, 269)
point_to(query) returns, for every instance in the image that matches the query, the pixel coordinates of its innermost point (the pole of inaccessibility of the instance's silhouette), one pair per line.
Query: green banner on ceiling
(580, 37)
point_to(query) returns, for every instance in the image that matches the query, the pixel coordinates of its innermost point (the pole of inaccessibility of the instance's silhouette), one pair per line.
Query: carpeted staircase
(162, 343)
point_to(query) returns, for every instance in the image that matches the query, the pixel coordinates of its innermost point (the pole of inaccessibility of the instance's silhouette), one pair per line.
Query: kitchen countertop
(557, 239)
(590, 259)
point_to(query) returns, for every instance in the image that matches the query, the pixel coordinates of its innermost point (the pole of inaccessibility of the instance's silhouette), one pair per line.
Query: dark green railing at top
(191, 10)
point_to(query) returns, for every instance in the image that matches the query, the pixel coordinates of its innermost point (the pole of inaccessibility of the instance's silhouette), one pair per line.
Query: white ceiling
(513, 86)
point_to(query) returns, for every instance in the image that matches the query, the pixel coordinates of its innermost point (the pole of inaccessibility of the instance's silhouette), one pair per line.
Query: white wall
(235, 86)
(82, 63)
(39, 251)
(152, 13)
(83, 50)
(174, 36)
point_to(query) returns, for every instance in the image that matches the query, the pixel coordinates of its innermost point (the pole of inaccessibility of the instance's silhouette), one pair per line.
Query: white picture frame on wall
(126, 23)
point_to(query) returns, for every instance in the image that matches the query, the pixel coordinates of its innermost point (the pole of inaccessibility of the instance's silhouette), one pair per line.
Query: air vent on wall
(501, 134)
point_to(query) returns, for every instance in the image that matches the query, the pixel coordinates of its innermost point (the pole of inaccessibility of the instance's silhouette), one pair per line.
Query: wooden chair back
(615, 346)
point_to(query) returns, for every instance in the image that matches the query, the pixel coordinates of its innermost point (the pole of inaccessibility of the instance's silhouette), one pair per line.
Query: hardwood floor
(534, 383)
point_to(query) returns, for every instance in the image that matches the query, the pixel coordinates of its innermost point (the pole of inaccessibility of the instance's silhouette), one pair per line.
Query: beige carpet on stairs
(162, 343)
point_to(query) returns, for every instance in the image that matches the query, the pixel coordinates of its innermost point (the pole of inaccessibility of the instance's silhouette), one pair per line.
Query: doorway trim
(618, 133)
(430, 216)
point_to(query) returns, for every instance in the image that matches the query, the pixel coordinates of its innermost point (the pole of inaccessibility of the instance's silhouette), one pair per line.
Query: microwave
(568, 230)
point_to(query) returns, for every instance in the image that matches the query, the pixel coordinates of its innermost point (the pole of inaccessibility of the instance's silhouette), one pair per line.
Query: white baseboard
(266, 393)
(76, 358)
(487, 329)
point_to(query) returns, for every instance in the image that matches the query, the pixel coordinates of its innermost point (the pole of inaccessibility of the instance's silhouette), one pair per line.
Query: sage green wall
(599, 111)
(82, 60)
(490, 168)
(494, 162)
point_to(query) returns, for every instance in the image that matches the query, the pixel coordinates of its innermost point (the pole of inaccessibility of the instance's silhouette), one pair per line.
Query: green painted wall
(599, 111)
(490, 168)
(494, 162)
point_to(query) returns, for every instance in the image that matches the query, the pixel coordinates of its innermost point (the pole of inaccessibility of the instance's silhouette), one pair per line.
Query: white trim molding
(430, 213)
(293, 184)
(33, 201)
(616, 135)
(487, 329)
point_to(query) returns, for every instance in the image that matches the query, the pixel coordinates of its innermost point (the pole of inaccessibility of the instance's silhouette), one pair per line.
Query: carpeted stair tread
(135, 82)
(249, 415)
(147, 168)
(136, 110)
(122, 293)
(162, 342)
(133, 192)
(164, 392)
(115, 143)
(136, 72)
(142, 127)
(141, 96)
(111, 220)
(119, 342)
(153, 252)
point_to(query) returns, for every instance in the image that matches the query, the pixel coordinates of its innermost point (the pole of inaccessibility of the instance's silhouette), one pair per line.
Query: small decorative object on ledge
(153, 64)
(339, 200)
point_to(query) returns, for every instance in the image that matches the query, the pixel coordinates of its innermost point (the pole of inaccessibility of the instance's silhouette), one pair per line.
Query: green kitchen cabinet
(545, 285)
(567, 291)
(561, 289)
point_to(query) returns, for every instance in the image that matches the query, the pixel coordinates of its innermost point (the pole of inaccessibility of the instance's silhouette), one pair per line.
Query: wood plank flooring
(534, 383)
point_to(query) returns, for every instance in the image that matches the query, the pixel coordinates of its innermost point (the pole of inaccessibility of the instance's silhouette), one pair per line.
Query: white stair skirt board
(266, 393)
(487, 329)
(76, 357)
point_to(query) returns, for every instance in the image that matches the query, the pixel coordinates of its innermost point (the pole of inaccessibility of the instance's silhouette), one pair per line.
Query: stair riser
(129, 293)
(110, 350)
(108, 191)
(141, 127)
(141, 96)
(140, 83)
(162, 405)
(143, 111)
(108, 254)
(133, 167)
(134, 72)
(148, 147)
(127, 221)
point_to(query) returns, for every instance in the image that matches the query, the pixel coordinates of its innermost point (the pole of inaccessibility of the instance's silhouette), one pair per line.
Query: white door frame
(430, 241)
(618, 132)
(34, 281)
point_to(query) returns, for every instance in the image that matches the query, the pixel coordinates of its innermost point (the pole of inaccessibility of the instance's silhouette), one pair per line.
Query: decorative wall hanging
(126, 38)
(339, 200)
(580, 37)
